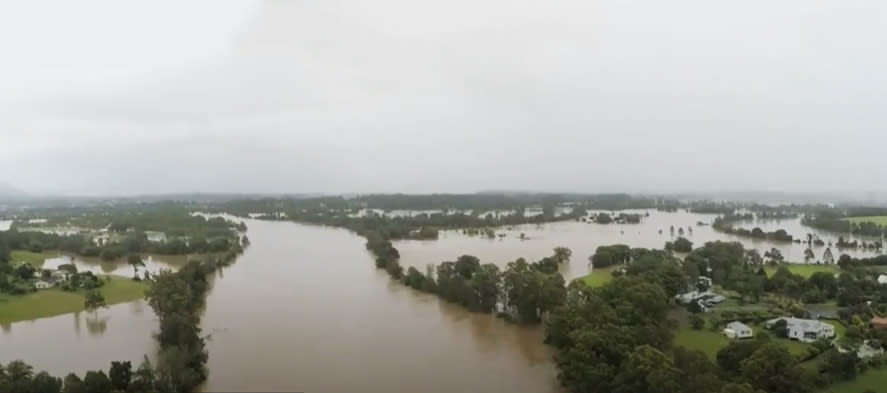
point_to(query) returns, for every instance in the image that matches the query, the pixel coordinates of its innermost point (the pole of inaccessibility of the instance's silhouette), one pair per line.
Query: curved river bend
(304, 309)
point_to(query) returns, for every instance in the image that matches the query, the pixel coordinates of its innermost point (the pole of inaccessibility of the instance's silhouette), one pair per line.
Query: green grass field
(599, 277)
(874, 380)
(804, 270)
(34, 258)
(877, 220)
(52, 302)
(710, 342)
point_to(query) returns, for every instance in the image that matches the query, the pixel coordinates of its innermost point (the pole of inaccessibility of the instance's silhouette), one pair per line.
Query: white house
(40, 284)
(738, 330)
(882, 279)
(804, 330)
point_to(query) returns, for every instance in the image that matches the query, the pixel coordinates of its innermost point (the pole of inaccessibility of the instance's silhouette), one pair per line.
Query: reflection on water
(81, 341)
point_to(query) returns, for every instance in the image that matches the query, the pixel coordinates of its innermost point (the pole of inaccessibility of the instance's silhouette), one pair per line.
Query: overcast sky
(120, 97)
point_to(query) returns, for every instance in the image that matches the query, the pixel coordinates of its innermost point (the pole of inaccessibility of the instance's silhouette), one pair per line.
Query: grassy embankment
(52, 302)
(599, 277)
(34, 258)
(804, 270)
(877, 220)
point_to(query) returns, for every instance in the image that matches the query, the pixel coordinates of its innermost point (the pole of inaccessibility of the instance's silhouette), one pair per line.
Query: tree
(772, 368)
(73, 384)
(135, 261)
(697, 322)
(647, 370)
(143, 379)
(682, 245)
(775, 255)
(120, 375)
(45, 383)
(562, 254)
(94, 300)
(827, 256)
(808, 255)
(840, 366)
(753, 258)
(97, 382)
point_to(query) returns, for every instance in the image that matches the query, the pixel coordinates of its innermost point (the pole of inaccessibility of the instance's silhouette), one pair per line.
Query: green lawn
(34, 258)
(877, 220)
(874, 380)
(710, 342)
(52, 302)
(599, 277)
(804, 270)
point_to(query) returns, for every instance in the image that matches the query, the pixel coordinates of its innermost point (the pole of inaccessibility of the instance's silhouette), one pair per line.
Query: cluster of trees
(725, 224)
(682, 244)
(606, 256)
(875, 245)
(174, 219)
(835, 220)
(618, 338)
(522, 292)
(177, 298)
(19, 377)
(130, 241)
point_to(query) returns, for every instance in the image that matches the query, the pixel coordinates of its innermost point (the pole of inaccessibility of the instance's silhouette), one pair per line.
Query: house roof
(806, 324)
(737, 326)
(879, 321)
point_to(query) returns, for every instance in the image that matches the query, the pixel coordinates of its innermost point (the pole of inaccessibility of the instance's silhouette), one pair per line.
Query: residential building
(804, 330)
(738, 330)
(878, 323)
(40, 284)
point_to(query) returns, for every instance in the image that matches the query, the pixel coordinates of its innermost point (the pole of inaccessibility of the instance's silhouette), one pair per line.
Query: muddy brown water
(304, 309)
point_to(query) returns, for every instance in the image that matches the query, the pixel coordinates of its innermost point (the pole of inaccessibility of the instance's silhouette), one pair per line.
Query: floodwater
(304, 309)
(583, 238)
(153, 264)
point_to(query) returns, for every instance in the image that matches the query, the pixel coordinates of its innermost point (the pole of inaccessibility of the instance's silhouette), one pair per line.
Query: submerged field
(52, 302)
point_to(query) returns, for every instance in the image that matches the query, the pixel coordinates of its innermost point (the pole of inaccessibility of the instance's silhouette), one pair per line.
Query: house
(804, 330)
(882, 279)
(738, 330)
(59, 276)
(878, 323)
(40, 284)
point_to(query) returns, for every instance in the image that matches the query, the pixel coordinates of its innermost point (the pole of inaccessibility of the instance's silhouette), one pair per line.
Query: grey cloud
(396, 95)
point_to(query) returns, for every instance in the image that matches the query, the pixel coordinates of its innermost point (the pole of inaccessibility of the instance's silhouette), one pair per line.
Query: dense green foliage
(606, 256)
(840, 220)
(725, 224)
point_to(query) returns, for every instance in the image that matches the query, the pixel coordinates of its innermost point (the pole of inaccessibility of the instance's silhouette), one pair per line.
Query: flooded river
(304, 309)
